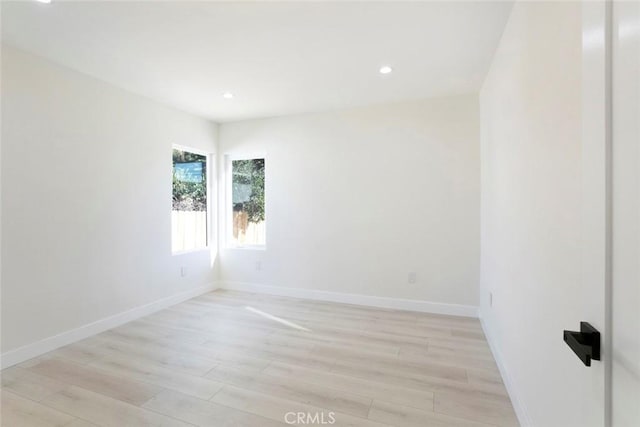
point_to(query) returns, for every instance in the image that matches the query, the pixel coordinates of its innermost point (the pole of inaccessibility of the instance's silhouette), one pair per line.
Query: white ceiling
(276, 58)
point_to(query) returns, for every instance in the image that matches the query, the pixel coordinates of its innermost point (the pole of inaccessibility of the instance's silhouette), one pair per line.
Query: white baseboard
(29, 351)
(516, 400)
(367, 300)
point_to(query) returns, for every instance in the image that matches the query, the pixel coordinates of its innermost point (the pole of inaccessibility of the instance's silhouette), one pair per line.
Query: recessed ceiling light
(227, 95)
(385, 69)
(44, 1)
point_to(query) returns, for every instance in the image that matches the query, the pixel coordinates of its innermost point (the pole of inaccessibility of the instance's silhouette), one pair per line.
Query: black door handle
(585, 344)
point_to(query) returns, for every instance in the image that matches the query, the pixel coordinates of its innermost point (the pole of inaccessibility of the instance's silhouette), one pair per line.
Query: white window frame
(228, 205)
(209, 159)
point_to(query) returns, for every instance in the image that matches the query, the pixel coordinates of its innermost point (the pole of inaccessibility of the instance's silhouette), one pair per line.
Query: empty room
(320, 213)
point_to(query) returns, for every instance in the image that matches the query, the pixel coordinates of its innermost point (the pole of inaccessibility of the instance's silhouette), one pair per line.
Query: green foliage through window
(189, 181)
(248, 188)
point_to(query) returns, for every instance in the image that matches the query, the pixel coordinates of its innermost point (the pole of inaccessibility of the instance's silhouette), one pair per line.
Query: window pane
(247, 195)
(189, 209)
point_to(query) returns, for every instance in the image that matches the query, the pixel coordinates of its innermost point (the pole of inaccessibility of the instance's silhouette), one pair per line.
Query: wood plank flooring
(233, 359)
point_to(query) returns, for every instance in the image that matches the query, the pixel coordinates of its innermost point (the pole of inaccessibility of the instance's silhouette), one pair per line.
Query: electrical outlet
(490, 299)
(258, 265)
(412, 277)
(183, 271)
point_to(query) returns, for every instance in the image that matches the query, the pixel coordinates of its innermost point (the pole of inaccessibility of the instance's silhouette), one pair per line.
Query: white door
(590, 403)
(625, 266)
(611, 200)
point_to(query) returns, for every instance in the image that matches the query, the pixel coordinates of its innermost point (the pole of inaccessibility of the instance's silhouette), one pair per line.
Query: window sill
(247, 248)
(190, 251)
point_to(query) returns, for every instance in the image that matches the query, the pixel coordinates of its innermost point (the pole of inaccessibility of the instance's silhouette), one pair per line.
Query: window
(246, 210)
(189, 208)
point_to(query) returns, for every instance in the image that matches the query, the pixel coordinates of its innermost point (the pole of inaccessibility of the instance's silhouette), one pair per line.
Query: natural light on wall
(247, 225)
(189, 206)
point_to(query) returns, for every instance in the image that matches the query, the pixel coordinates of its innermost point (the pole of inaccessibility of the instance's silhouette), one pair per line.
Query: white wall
(532, 217)
(86, 200)
(357, 199)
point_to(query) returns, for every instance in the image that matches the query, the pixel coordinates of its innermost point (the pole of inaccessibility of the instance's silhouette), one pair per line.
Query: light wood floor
(237, 359)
